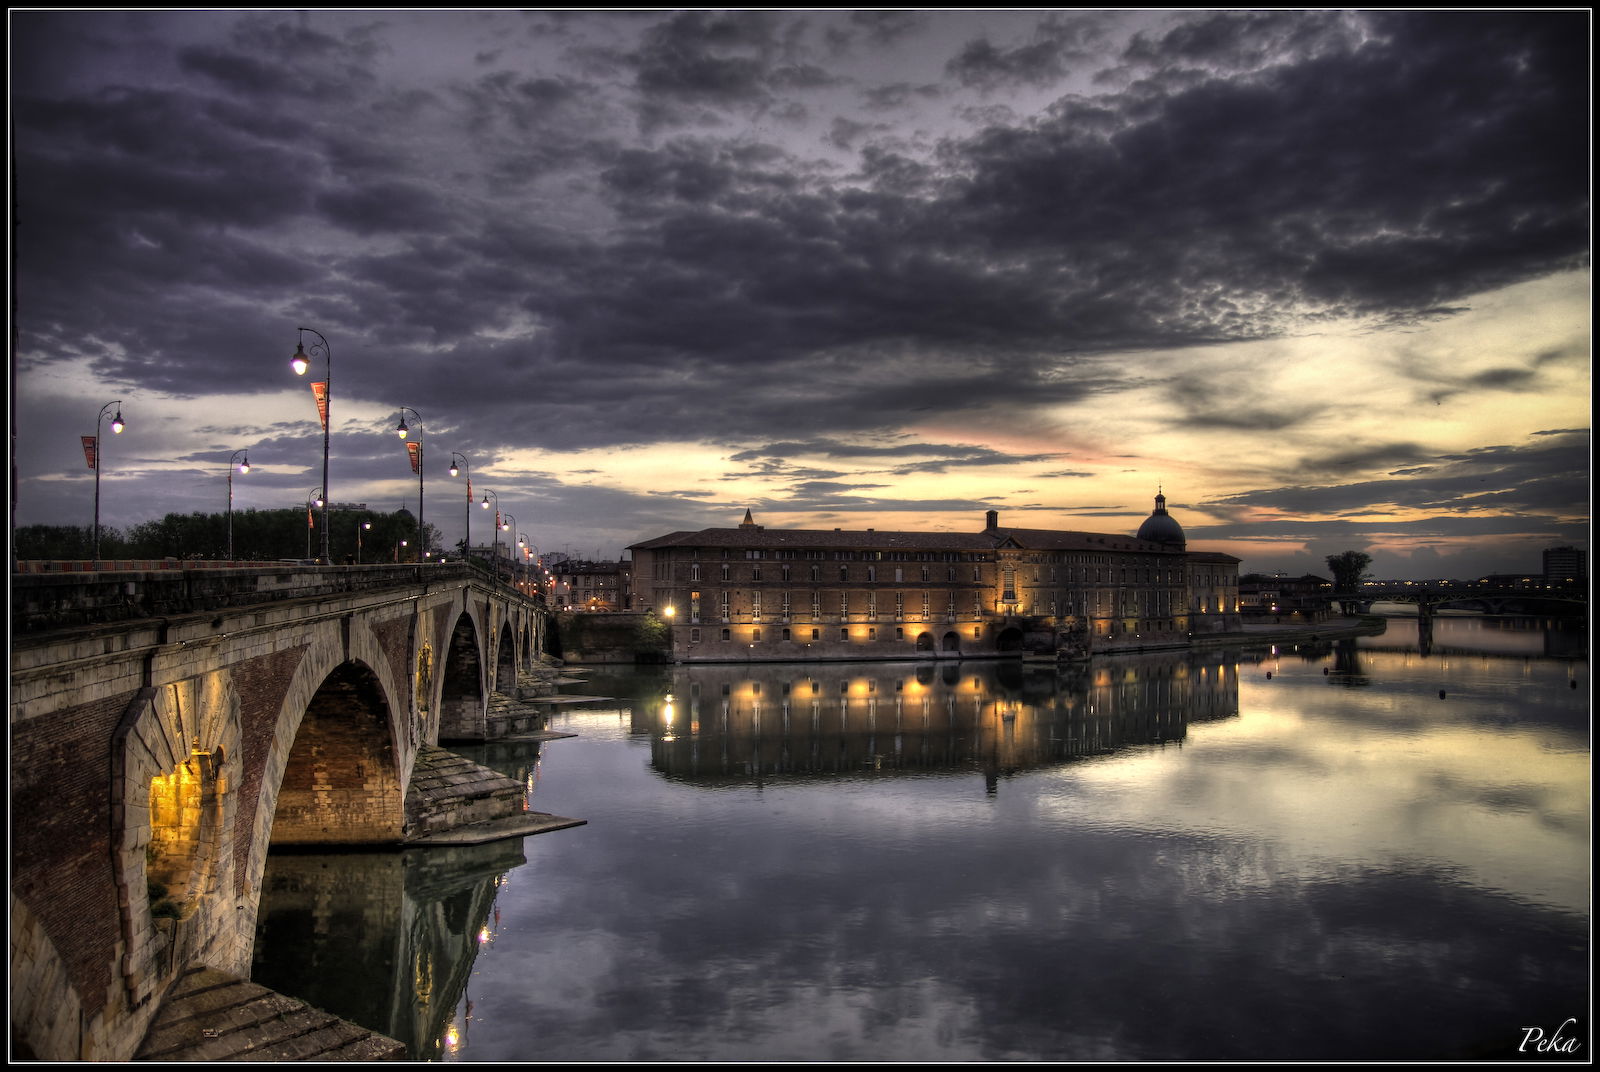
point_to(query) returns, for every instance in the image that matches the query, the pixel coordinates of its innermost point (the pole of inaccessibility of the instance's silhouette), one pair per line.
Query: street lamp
(315, 497)
(455, 470)
(401, 431)
(324, 396)
(494, 547)
(244, 467)
(116, 429)
(365, 525)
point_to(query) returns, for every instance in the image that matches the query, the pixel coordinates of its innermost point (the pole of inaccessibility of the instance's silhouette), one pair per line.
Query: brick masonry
(221, 696)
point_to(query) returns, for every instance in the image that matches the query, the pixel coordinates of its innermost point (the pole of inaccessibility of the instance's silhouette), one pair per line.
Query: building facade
(755, 593)
(598, 587)
(1566, 566)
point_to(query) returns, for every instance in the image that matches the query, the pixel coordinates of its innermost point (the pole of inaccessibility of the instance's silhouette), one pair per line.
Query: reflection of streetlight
(455, 470)
(300, 362)
(244, 467)
(359, 529)
(422, 542)
(116, 429)
(315, 496)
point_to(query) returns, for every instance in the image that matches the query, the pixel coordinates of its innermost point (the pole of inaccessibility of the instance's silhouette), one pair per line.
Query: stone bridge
(167, 726)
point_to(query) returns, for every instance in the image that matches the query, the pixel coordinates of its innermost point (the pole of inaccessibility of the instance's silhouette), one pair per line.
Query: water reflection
(719, 722)
(1551, 638)
(1359, 852)
(384, 940)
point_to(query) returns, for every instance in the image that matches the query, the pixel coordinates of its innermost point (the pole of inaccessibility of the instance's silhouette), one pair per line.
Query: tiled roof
(753, 536)
(757, 536)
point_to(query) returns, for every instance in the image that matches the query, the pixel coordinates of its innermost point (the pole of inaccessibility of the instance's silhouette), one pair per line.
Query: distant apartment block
(1566, 565)
(593, 586)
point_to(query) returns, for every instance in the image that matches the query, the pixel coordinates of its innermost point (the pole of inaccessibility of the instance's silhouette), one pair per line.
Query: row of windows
(1069, 558)
(855, 555)
(757, 635)
(1078, 574)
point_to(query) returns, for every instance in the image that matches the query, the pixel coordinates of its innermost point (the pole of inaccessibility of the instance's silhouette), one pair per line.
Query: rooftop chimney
(992, 519)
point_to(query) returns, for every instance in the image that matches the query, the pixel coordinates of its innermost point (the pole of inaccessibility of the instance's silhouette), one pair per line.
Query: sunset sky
(1322, 277)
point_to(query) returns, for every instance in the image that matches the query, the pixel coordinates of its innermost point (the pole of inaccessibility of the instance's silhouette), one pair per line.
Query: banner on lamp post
(88, 449)
(415, 450)
(320, 391)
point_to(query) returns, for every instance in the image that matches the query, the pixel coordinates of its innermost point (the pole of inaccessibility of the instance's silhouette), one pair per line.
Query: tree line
(367, 536)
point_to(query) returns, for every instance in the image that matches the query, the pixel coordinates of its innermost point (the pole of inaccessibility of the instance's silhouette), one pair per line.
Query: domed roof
(1160, 527)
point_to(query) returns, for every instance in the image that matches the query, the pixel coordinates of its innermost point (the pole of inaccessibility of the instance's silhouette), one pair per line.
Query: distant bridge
(167, 726)
(1488, 600)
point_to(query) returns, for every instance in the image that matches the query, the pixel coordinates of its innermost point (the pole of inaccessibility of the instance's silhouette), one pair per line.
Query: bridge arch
(175, 758)
(45, 1014)
(461, 692)
(505, 665)
(341, 782)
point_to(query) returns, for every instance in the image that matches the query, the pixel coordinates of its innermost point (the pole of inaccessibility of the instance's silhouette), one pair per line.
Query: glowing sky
(1321, 276)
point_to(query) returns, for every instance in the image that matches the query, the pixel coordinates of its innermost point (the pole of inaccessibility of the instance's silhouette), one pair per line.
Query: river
(1350, 851)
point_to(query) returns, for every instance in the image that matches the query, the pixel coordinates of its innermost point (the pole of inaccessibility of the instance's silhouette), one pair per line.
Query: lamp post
(116, 429)
(244, 467)
(455, 470)
(508, 523)
(402, 431)
(494, 547)
(364, 526)
(300, 362)
(314, 497)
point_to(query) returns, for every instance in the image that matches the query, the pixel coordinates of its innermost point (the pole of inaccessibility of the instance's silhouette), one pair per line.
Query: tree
(1349, 569)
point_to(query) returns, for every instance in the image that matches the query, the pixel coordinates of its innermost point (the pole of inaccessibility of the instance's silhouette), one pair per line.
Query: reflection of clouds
(1430, 788)
(1313, 866)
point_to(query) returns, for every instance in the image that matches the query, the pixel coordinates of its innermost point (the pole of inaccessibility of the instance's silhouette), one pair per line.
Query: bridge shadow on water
(386, 940)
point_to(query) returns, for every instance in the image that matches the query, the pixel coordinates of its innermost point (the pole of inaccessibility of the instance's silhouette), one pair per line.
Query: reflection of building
(718, 722)
(753, 592)
(593, 586)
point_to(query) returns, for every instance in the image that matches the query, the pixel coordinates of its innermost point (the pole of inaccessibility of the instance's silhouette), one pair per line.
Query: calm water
(1292, 854)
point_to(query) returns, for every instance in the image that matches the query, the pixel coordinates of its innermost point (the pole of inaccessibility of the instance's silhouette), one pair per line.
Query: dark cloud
(598, 230)
(1549, 480)
(1056, 43)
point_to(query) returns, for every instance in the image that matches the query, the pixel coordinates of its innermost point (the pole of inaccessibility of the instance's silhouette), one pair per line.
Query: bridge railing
(45, 600)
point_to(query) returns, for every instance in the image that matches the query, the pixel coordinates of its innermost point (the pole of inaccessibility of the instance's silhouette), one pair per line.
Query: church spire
(748, 522)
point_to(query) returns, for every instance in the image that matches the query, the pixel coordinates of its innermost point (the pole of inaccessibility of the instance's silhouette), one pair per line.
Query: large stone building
(756, 593)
